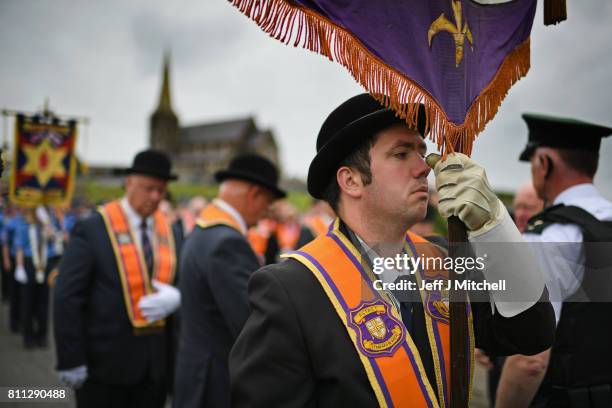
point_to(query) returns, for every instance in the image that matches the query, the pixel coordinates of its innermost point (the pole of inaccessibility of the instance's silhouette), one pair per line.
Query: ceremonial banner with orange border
(44, 161)
(457, 57)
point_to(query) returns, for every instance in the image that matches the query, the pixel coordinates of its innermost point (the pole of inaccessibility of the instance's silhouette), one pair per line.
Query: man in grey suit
(216, 264)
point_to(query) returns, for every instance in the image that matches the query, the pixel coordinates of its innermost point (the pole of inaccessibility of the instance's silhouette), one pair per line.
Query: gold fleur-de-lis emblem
(458, 32)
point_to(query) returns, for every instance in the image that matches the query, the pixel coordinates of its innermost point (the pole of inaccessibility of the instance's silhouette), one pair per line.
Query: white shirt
(563, 264)
(135, 220)
(233, 212)
(389, 275)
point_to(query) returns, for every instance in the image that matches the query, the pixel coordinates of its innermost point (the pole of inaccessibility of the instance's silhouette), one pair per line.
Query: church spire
(165, 131)
(164, 97)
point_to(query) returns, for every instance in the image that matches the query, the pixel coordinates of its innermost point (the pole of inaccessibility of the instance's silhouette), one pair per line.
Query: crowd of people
(243, 301)
(33, 240)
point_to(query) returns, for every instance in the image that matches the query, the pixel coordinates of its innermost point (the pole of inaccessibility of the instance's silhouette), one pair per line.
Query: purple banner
(458, 57)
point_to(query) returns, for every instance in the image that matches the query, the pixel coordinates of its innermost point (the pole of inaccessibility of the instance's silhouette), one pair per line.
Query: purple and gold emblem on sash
(378, 332)
(436, 302)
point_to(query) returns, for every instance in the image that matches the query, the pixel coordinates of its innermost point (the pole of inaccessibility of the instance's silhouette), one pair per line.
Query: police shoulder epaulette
(538, 223)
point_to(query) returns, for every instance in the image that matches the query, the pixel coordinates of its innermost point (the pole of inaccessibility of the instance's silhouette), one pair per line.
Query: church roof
(225, 131)
(260, 137)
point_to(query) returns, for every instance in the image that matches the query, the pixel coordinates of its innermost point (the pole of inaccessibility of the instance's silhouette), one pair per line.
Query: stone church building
(198, 151)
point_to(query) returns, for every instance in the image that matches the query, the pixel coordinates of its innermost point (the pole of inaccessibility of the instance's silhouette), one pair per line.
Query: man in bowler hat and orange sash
(216, 264)
(114, 295)
(322, 333)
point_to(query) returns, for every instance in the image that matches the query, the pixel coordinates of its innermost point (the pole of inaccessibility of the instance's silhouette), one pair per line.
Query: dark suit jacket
(91, 323)
(295, 352)
(216, 264)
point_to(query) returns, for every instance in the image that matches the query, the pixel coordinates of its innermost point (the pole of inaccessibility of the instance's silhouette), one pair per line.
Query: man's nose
(421, 169)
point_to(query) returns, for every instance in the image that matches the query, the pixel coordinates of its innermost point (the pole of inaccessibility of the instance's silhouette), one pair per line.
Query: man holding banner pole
(324, 331)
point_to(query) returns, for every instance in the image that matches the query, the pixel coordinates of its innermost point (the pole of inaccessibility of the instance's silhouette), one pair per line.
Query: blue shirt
(69, 220)
(9, 230)
(22, 240)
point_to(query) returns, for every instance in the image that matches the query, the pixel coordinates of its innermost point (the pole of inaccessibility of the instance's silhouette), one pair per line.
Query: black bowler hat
(344, 129)
(254, 168)
(153, 163)
(561, 133)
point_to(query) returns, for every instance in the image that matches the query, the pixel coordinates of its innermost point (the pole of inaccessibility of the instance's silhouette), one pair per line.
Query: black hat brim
(527, 152)
(150, 173)
(253, 178)
(326, 161)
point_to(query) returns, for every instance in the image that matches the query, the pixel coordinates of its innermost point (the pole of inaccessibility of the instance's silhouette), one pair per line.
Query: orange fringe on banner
(284, 21)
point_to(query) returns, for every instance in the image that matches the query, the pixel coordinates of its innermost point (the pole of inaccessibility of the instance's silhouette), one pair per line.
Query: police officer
(322, 334)
(568, 237)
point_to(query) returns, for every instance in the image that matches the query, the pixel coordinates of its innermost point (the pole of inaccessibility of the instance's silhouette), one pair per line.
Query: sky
(102, 60)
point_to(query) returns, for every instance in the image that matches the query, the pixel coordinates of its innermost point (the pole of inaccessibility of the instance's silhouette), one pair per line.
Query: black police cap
(561, 133)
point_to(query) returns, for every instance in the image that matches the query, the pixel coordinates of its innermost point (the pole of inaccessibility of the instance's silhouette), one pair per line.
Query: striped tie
(147, 250)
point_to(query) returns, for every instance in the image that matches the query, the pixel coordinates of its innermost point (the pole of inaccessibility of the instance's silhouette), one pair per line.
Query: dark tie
(147, 249)
(39, 238)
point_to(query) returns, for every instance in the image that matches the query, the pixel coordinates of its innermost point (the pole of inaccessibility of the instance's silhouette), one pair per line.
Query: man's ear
(253, 190)
(349, 181)
(546, 162)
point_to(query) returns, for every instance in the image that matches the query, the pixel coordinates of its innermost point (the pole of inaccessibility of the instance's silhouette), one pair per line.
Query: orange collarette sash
(391, 359)
(213, 215)
(130, 261)
(288, 235)
(317, 225)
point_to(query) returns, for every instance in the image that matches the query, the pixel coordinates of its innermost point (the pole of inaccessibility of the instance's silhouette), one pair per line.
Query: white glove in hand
(74, 377)
(160, 304)
(465, 192)
(20, 274)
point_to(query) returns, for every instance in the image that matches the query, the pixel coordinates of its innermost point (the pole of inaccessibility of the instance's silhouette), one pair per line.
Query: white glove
(74, 377)
(464, 191)
(160, 304)
(507, 257)
(20, 274)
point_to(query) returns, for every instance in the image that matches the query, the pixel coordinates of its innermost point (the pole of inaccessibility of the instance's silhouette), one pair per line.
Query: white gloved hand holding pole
(160, 304)
(464, 191)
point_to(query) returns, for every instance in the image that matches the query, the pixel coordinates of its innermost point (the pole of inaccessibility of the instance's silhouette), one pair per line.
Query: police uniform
(570, 238)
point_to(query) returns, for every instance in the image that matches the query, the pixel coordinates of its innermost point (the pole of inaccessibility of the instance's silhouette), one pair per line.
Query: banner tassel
(285, 21)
